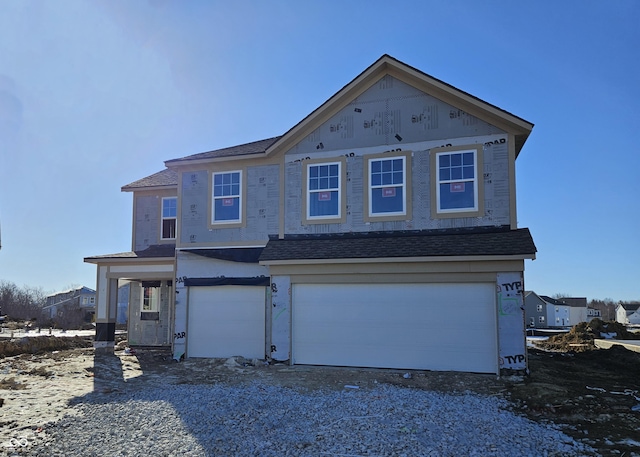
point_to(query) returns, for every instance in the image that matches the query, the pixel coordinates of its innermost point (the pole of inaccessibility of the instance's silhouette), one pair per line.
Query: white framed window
(387, 186)
(532, 322)
(541, 319)
(85, 300)
(539, 308)
(458, 186)
(227, 197)
(150, 300)
(92, 300)
(324, 191)
(169, 218)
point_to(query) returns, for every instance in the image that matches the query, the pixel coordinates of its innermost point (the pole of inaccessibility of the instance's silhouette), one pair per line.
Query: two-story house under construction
(379, 231)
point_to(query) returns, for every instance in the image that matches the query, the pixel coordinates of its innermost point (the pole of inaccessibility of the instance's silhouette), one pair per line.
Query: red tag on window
(324, 196)
(227, 202)
(389, 192)
(456, 187)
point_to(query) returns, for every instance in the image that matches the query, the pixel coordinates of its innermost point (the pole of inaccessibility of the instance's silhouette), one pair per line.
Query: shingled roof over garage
(430, 243)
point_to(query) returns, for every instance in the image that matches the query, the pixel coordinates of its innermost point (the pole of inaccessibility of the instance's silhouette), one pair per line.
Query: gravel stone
(262, 420)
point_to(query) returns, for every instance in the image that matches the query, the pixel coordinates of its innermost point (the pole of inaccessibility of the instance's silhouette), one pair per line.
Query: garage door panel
(226, 321)
(422, 326)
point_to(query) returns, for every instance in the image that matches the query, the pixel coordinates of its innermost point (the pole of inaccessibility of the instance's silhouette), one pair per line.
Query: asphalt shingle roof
(255, 147)
(164, 178)
(153, 251)
(430, 243)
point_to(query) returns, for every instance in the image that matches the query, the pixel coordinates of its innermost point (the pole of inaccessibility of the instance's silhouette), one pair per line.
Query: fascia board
(151, 188)
(468, 103)
(129, 260)
(177, 164)
(398, 260)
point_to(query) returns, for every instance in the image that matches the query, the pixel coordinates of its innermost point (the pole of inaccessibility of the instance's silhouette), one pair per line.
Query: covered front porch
(150, 274)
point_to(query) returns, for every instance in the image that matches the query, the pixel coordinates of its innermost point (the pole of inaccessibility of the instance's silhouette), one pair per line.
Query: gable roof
(385, 65)
(428, 243)
(529, 293)
(162, 179)
(630, 307)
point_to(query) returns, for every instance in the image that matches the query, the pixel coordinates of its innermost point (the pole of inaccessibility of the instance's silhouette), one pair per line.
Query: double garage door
(226, 321)
(414, 326)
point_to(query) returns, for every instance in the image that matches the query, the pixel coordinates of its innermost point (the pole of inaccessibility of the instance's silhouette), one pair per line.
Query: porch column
(106, 310)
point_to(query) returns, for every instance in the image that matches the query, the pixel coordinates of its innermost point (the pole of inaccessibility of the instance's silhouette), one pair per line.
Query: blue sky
(97, 94)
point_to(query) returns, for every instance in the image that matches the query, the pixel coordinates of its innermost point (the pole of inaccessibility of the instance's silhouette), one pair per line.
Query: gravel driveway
(258, 419)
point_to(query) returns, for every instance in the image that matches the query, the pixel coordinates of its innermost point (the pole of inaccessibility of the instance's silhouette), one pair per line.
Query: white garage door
(226, 321)
(420, 326)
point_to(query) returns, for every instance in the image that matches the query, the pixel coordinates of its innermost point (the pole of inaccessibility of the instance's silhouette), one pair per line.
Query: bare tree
(607, 308)
(21, 303)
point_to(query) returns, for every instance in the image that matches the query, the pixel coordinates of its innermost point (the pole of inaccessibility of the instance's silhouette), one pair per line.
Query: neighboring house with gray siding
(379, 231)
(535, 310)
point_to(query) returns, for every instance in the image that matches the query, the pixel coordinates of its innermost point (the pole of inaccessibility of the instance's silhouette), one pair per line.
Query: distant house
(628, 313)
(593, 313)
(558, 312)
(577, 309)
(76, 305)
(542, 311)
(535, 310)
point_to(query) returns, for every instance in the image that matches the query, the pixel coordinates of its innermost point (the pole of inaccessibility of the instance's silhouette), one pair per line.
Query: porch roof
(154, 251)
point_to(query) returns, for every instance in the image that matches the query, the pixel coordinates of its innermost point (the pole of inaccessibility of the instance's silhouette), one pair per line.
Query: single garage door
(226, 321)
(419, 326)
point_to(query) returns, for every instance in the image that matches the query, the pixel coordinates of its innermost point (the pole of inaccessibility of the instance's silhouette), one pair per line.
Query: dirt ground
(593, 394)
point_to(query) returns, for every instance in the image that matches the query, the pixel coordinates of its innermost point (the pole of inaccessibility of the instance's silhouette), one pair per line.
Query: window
(92, 300)
(541, 319)
(85, 300)
(323, 191)
(532, 322)
(539, 308)
(150, 298)
(458, 189)
(227, 197)
(169, 217)
(387, 186)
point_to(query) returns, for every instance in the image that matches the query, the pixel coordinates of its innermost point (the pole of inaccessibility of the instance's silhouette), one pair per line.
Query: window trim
(212, 199)
(367, 214)
(478, 210)
(163, 218)
(306, 193)
(156, 299)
